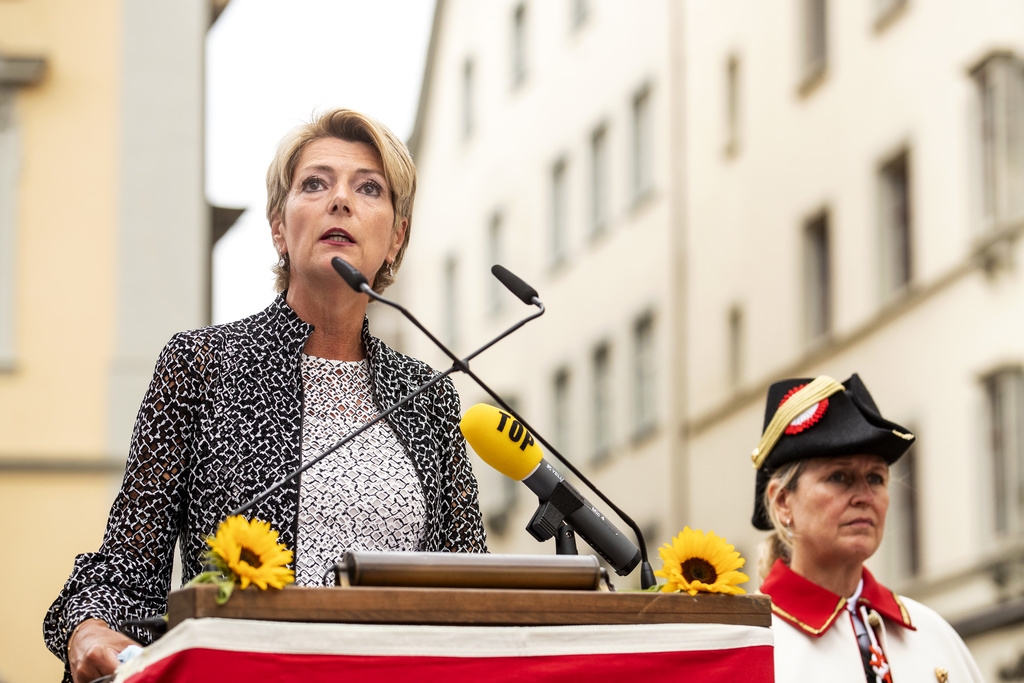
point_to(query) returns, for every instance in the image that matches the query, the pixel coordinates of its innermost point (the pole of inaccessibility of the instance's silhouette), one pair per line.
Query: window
(817, 278)
(496, 291)
(736, 331)
(579, 13)
(468, 96)
(732, 105)
(599, 185)
(559, 208)
(813, 41)
(902, 531)
(602, 403)
(894, 219)
(643, 145)
(999, 83)
(1004, 403)
(644, 372)
(886, 11)
(562, 404)
(9, 159)
(519, 45)
(451, 301)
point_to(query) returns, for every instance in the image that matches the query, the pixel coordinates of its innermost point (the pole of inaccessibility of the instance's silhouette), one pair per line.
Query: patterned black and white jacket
(221, 422)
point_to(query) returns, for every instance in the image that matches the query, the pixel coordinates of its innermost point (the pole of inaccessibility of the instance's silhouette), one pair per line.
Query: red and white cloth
(219, 650)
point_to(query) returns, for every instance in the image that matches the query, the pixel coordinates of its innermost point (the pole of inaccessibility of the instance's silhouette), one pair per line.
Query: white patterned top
(364, 496)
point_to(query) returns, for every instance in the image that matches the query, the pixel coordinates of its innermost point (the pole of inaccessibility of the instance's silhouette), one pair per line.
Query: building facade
(104, 246)
(832, 187)
(854, 197)
(543, 144)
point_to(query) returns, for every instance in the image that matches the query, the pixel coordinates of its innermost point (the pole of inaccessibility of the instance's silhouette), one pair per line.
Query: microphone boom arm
(356, 280)
(647, 579)
(341, 442)
(460, 363)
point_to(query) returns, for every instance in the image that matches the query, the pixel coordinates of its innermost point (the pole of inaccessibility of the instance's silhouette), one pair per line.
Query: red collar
(813, 609)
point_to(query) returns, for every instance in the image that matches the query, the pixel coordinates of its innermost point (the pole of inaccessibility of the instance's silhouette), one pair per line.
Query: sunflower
(696, 562)
(248, 552)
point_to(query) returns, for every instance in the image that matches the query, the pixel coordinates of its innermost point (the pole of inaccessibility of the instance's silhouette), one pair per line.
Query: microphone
(350, 274)
(528, 295)
(506, 445)
(512, 282)
(358, 282)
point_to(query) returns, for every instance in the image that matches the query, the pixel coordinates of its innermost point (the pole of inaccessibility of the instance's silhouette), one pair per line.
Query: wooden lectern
(395, 633)
(462, 606)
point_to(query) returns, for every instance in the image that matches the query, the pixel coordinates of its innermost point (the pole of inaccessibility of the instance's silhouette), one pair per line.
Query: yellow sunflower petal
(698, 562)
(251, 553)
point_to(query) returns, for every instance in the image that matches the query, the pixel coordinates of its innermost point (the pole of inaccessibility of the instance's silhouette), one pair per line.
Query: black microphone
(358, 282)
(350, 274)
(528, 295)
(512, 282)
(506, 446)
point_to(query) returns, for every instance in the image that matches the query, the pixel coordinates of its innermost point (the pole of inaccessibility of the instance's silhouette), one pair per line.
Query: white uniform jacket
(815, 640)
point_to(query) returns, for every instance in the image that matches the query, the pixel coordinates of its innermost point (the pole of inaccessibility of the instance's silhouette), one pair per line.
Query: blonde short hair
(345, 124)
(779, 543)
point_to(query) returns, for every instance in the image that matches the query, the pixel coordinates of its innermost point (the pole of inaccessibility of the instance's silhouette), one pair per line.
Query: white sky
(270, 65)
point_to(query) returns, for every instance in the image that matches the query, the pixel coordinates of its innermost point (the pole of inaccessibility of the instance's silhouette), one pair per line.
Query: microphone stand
(565, 540)
(528, 295)
(341, 442)
(459, 364)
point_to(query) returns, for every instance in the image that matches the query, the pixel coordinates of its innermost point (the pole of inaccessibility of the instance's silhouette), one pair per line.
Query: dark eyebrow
(371, 171)
(324, 168)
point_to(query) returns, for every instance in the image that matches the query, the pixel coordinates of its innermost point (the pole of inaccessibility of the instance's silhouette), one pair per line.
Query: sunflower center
(699, 569)
(251, 558)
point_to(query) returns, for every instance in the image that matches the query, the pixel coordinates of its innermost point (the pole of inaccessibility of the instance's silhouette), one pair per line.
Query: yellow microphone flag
(501, 441)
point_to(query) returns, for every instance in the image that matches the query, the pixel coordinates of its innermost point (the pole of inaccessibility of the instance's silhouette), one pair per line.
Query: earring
(391, 269)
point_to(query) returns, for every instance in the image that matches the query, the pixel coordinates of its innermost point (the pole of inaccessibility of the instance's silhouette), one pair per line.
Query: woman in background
(822, 490)
(233, 408)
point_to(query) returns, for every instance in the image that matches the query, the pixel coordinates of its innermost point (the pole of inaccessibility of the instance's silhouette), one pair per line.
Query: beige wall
(52, 404)
(55, 517)
(66, 223)
(111, 162)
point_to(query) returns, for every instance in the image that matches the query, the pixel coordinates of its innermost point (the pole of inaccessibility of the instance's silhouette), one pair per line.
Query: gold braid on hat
(818, 389)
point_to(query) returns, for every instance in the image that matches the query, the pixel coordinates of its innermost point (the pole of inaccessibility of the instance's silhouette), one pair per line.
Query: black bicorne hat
(820, 418)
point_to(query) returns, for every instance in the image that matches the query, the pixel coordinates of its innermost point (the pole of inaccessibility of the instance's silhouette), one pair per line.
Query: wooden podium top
(464, 606)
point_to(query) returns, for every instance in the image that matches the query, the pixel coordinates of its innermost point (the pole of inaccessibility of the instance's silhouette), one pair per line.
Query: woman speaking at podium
(822, 490)
(233, 408)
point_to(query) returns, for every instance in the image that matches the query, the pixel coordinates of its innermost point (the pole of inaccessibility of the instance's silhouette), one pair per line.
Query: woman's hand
(93, 648)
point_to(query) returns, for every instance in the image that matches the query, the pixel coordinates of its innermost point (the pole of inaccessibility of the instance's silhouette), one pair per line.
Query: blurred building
(104, 251)
(544, 143)
(854, 204)
(710, 196)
